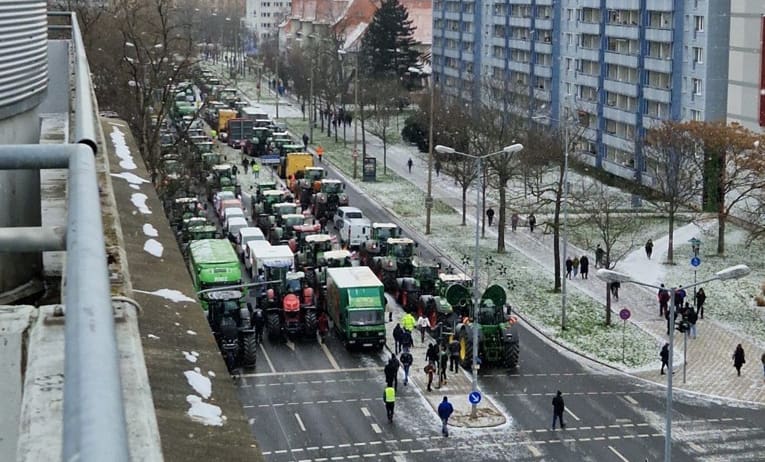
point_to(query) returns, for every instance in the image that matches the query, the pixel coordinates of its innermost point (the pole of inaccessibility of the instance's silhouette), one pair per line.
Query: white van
(352, 228)
(231, 212)
(247, 234)
(272, 255)
(233, 225)
(252, 249)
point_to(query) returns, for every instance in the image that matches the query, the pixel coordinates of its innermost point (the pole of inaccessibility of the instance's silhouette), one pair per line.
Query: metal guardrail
(94, 425)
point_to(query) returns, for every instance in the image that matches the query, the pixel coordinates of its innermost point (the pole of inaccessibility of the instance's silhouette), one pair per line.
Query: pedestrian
(664, 355)
(234, 170)
(739, 359)
(431, 355)
(323, 326)
(763, 365)
(490, 215)
(397, 333)
(438, 168)
(391, 372)
(389, 398)
(260, 322)
(514, 221)
(599, 254)
(443, 361)
(406, 360)
(584, 266)
(245, 164)
(423, 324)
(407, 322)
(305, 141)
(692, 318)
(615, 289)
(558, 407)
(666, 316)
(445, 410)
(454, 355)
(532, 222)
(663, 297)
(679, 297)
(569, 267)
(649, 248)
(430, 369)
(701, 297)
(409, 164)
(407, 342)
(320, 153)
(575, 265)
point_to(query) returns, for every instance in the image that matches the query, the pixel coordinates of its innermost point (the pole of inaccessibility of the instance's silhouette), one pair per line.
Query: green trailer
(213, 263)
(356, 305)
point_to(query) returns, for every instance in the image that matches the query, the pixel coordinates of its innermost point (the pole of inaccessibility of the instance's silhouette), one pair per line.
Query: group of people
(577, 266)
(682, 308)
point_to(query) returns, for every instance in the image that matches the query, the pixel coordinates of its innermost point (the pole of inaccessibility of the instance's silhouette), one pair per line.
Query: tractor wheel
(466, 350)
(274, 329)
(310, 323)
(510, 354)
(250, 350)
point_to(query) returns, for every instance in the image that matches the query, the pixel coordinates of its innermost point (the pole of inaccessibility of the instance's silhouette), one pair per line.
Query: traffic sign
(625, 314)
(474, 397)
(695, 261)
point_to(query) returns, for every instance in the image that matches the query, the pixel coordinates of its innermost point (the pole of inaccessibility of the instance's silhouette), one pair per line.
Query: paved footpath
(710, 367)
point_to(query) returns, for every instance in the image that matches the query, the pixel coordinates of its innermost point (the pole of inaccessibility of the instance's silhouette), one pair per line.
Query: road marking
(290, 344)
(300, 421)
(630, 400)
(618, 454)
(366, 412)
(329, 356)
(376, 428)
(573, 415)
(695, 447)
(316, 371)
(268, 360)
(533, 450)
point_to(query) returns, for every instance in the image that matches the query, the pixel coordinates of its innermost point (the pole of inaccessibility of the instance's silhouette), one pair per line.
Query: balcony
(619, 115)
(629, 89)
(452, 15)
(497, 41)
(587, 79)
(624, 4)
(590, 54)
(658, 35)
(622, 171)
(621, 59)
(515, 21)
(659, 5)
(622, 31)
(519, 44)
(518, 67)
(587, 106)
(451, 53)
(588, 4)
(657, 94)
(543, 47)
(617, 142)
(591, 28)
(541, 70)
(543, 24)
(660, 65)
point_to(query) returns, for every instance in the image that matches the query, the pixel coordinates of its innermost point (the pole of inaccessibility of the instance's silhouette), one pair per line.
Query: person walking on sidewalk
(430, 369)
(431, 355)
(514, 219)
(692, 319)
(390, 372)
(445, 410)
(423, 324)
(664, 297)
(454, 355)
(763, 365)
(443, 361)
(406, 359)
(739, 359)
(649, 248)
(569, 267)
(438, 168)
(490, 215)
(409, 164)
(320, 153)
(558, 407)
(397, 333)
(701, 297)
(532, 222)
(664, 355)
(305, 141)
(584, 266)
(599, 254)
(575, 265)
(407, 342)
(679, 297)
(615, 289)
(389, 398)
(408, 322)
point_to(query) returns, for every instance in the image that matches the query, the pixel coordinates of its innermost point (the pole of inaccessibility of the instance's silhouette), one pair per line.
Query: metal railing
(94, 425)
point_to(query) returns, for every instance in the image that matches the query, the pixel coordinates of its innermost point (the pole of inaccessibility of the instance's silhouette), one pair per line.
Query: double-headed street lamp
(476, 299)
(733, 272)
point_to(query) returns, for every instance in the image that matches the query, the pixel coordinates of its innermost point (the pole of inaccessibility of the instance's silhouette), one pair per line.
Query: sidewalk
(709, 367)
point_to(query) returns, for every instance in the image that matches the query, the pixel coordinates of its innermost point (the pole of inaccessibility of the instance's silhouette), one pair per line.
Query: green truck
(213, 263)
(356, 305)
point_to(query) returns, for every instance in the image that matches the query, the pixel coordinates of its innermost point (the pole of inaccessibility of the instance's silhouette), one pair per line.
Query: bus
(213, 263)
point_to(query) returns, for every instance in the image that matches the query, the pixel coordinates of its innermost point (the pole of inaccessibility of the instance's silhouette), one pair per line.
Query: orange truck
(224, 115)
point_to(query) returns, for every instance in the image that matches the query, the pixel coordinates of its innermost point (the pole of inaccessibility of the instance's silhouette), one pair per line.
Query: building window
(699, 23)
(698, 55)
(696, 86)
(696, 115)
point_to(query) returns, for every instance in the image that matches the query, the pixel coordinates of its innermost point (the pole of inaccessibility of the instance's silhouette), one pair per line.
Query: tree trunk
(363, 132)
(671, 239)
(385, 151)
(464, 205)
(721, 220)
(483, 202)
(501, 222)
(608, 304)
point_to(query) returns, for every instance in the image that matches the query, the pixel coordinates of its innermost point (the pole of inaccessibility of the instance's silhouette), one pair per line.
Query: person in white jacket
(423, 324)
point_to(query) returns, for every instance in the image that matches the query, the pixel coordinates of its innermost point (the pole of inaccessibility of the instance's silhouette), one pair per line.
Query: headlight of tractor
(381, 333)
(353, 335)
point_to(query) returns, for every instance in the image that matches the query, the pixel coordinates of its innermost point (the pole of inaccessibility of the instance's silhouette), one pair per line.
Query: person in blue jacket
(445, 410)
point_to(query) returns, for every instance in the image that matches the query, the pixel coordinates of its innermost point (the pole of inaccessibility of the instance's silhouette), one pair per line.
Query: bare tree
(674, 162)
(384, 101)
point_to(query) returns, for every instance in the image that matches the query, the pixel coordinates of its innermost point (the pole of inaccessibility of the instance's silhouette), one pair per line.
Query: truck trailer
(356, 305)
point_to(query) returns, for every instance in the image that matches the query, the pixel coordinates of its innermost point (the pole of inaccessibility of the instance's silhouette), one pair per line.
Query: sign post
(695, 262)
(624, 314)
(474, 397)
(685, 352)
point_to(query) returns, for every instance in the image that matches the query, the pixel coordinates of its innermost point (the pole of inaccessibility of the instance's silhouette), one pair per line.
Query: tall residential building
(746, 71)
(619, 66)
(263, 17)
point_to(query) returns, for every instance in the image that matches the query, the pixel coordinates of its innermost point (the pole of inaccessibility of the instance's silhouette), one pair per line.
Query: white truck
(352, 228)
(273, 256)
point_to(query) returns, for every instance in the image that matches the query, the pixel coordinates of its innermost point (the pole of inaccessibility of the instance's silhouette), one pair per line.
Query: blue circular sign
(695, 261)
(474, 397)
(624, 314)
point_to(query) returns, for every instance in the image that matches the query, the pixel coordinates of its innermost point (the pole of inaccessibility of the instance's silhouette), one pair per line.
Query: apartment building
(262, 17)
(746, 70)
(619, 66)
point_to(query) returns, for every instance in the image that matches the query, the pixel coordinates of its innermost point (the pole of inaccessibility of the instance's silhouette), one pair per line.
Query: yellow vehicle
(294, 162)
(224, 115)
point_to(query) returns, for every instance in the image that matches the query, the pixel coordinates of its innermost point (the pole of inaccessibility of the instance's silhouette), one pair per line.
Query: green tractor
(263, 211)
(284, 231)
(376, 246)
(422, 282)
(328, 198)
(397, 263)
(311, 249)
(222, 179)
(259, 141)
(231, 325)
(498, 341)
(185, 207)
(308, 184)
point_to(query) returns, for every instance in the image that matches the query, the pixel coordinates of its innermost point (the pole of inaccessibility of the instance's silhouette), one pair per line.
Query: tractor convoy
(298, 271)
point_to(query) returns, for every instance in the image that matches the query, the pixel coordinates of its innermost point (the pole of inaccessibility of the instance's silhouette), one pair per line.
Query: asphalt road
(311, 402)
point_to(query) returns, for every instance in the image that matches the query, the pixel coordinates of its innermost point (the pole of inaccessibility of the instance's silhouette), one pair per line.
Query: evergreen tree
(387, 48)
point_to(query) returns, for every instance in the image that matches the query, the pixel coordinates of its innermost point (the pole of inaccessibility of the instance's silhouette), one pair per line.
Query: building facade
(619, 66)
(746, 70)
(262, 17)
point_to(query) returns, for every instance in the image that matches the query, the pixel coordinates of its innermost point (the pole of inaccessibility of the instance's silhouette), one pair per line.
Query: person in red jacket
(323, 325)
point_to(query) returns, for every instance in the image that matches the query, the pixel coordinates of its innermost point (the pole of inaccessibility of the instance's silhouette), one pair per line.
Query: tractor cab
(172, 167)
(401, 248)
(337, 258)
(313, 248)
(290, 148)
(285, 208)
(381, 232)
(210, 159)
(231, 325)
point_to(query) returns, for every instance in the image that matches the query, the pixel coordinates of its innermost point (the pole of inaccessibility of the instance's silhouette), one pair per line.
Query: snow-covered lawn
(729, 302)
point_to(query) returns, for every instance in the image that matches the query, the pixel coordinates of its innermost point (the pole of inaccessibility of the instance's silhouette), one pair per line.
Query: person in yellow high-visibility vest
(389, 398)
(408, 322)
(255, 168)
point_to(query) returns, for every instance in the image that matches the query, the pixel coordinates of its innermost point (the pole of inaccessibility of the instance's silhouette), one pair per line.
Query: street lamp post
(278, 51)
(356, 116)
(609, 276)
(476, 298)
(429, 196)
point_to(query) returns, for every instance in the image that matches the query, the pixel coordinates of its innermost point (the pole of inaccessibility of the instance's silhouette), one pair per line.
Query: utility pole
(356, 117)
(429, 196)
(310, 107)
(278, 51)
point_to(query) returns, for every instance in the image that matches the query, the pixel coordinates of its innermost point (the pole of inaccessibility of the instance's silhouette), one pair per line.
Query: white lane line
(330, 357)
(268, 360)
(695, 447)
(573, 415)
(366, 412)
(300, 421)
(376, 428)
(533, 450)
(290, 345)
(630, 400)
(618, 454)
(315, 371)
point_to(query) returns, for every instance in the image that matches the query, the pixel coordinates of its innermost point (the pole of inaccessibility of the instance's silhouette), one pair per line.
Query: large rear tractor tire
(466, 350)
(249, 355)
(310, 323)
(511, 354)
(274, 329)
